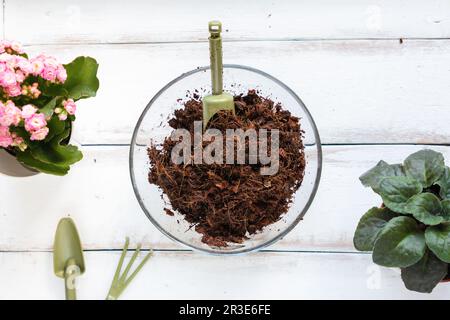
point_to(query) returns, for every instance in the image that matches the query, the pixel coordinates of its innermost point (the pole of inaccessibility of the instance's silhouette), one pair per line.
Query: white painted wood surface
(394, 93)
(99, 197)
(184, 275)
(360, 83)
(87, 21)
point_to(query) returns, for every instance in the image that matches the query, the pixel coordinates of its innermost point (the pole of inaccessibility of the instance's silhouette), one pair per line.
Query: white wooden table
(375, 75)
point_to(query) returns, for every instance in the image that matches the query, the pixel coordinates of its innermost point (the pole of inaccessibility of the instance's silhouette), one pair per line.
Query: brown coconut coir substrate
(227, 203)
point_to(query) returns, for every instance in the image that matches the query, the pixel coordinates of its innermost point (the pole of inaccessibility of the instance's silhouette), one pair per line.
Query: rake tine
(122, 258)
(139, 267)
(130, 263)
(120, 281)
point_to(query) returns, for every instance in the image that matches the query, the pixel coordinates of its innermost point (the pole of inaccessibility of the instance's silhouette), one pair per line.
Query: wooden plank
(170, 275)
(98, 195)
(358, 91)
(87, 21)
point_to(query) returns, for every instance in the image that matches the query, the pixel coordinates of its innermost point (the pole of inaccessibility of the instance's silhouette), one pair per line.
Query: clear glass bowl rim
(300, 215)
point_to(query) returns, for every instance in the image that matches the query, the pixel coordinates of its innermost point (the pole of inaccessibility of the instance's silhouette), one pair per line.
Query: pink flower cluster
(11, 47)
(48, 68)
(14, 69)
(31, 90)
(34, 123)
(10, 115)
(69, 109)
(14, 72)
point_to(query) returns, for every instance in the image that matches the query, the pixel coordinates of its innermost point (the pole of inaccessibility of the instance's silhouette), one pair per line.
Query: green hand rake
(121, 282)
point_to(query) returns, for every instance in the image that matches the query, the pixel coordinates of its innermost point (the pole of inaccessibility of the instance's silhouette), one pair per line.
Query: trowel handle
(72, 271)
(215, 54)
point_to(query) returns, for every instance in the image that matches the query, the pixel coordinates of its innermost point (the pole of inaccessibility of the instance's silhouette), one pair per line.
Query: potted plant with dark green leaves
(411, 229)
(37, 108)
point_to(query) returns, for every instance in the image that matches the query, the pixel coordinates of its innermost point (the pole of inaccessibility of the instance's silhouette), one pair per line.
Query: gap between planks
(202, 253)
(81, 43)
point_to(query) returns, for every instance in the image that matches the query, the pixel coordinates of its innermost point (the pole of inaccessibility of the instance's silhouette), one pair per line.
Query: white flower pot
(11, 167)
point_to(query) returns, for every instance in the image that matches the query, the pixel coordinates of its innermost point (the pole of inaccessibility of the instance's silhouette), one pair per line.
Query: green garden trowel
(219, 100)
(68, 261)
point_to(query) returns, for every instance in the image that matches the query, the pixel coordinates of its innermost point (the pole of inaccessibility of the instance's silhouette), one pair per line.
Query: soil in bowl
(230, 202)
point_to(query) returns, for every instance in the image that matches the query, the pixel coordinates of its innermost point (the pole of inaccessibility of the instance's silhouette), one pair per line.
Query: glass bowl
(152, 126)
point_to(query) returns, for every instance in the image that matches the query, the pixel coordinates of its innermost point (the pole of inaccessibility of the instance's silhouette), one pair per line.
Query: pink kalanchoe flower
(61, 74)
(5, 137)
(70, 106)
(7, 58)
(50, 62)
(18, 142)
(62, 116)
(17, 47)
(36, 66)
(13, 91)
(49, 73)
(35, 92)
(20, 76)
(35, 122)
(28, 111)
(39, 134)
(7, 78)
(24, 65)
(10, 115)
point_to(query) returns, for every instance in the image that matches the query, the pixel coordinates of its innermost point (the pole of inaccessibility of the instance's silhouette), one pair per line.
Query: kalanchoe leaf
(49, 108)
(54, 90)
(81, 79)
(425, 166)
(401, 243)
(56, 153)
(426, 208)
(369, 227)
(425, 274)
(396, 191)
(373, 177)
(438, 240)
(27, 159)
(56, 127)
(444, 184)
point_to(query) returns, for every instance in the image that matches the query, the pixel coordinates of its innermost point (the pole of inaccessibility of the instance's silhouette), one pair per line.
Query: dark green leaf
(398, 169)
(446, 209)
(28, 160)
(401, 243)
(425, 274)
(425, 166)
(396, 191)
(81, 79)
(438, 240)
(56, 153)
(426, 208)
(56, 127)
(373, 177)
(49, 108)
(444, 184)
(54, 90)
(370, 225)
